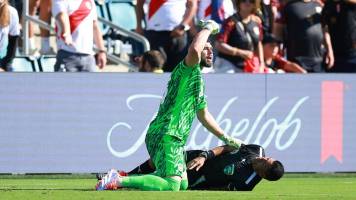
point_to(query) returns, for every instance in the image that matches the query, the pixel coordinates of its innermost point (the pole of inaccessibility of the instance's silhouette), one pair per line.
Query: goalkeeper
(168, 132)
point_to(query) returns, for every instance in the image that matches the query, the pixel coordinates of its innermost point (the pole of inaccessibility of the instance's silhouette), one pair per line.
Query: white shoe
(111, 181)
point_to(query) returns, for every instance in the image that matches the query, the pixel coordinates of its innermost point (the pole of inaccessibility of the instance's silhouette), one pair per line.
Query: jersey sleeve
(14, 28)
(94, 12)
(59, 6)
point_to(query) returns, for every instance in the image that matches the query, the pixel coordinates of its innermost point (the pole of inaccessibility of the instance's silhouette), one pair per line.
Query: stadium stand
(126, 18)
(117, 19)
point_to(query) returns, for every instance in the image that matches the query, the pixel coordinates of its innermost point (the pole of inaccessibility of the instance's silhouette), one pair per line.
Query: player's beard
(203, 63)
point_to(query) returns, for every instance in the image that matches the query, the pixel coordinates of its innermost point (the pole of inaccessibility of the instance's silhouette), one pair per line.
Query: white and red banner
(91, 122)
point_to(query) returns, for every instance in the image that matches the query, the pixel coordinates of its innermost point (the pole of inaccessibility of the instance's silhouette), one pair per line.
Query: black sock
(144, 168)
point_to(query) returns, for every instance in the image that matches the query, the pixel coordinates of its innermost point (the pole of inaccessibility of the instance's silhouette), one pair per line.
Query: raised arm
(194, 52)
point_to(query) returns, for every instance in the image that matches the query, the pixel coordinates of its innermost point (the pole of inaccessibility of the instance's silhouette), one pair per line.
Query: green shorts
(167, 154)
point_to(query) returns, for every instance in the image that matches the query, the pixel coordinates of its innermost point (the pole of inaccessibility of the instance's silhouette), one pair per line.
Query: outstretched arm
(209, 123)
(194, 53)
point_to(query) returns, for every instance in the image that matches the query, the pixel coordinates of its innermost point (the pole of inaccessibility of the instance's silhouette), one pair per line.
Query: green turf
(305, 186)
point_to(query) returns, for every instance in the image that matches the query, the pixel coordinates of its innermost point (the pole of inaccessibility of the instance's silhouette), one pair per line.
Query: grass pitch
(291, 186)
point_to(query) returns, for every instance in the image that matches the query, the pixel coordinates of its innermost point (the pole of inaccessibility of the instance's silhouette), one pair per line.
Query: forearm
(196, 47)
(260, 54)
(210, 123)
(63, 22)
(11, 51)
(222, 150)
(293, 67)
(98, 37)
(192, 7)
(227, 49)
(217, 151)
(139, 12)
(327, 40)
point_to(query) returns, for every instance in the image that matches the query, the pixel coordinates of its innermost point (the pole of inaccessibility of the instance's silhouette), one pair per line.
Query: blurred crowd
(257, 36)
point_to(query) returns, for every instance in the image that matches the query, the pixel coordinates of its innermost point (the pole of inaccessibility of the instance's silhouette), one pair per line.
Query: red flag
(332, 99)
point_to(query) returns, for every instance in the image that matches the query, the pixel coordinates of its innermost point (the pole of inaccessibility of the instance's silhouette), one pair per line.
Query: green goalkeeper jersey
(184, 97)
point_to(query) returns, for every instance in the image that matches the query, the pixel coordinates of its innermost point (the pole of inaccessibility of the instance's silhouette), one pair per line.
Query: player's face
(207, 55)
(261, 164)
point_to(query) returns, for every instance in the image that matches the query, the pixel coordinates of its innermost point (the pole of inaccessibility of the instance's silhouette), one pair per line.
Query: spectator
(18, 5)
(9, 34)
(240, 39)
(304, 36)
(166, 26)
(340, 18)
(151, 61)
(274, 60)
(77, 30)
(217, 10)
(45, 15)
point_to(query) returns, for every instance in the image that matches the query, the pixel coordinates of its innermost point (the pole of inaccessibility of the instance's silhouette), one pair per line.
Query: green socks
(151, 182)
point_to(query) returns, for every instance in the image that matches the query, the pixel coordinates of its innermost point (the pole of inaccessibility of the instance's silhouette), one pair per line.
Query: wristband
(208, 155)
(102, 51)
(211, 155)
(231, 141)
(204, 154)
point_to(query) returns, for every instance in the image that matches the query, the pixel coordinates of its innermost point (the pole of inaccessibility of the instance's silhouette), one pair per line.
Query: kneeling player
(225, 168)
(168, 132)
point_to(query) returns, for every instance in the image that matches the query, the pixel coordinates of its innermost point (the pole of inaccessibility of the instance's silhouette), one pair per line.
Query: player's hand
(245, 54)
(101, 60)
(329, 61)
(196, 163)
(234, 142)
(139, 30)
(210, 25)
(177, 32)
(67, 38)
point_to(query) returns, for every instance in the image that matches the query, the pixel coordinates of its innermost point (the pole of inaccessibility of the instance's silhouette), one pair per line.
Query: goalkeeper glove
(234, 142)
(210, 25)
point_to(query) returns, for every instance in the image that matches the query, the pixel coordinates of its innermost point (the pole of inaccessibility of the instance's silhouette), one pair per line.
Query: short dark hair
(275, 172)
(154, 58)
